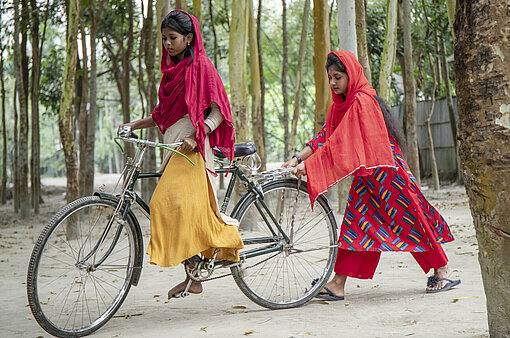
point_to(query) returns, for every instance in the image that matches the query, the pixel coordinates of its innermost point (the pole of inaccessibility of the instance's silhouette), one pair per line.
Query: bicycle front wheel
(76, 281)
(277, 272)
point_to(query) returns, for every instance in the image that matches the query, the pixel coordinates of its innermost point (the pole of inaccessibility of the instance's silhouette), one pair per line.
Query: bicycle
(90, 254)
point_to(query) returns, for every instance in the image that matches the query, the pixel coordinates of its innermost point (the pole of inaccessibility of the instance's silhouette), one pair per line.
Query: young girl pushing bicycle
(386, 210)
(193, 108)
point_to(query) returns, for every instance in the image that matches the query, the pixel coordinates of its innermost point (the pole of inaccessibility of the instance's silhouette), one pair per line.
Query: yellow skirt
(183, 216)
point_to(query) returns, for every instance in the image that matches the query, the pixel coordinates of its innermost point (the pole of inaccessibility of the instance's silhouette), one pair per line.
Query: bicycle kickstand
(184, 293)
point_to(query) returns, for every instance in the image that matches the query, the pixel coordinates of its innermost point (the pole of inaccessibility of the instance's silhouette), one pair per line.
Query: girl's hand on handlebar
(292, 163)
(130, 124)
(188, 143)
(300, 170)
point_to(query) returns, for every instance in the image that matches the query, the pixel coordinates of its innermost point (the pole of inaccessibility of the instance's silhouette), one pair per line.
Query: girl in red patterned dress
(386, 210)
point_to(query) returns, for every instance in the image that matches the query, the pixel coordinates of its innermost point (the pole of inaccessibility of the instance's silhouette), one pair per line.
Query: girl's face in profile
(338, 80)
(175, 43)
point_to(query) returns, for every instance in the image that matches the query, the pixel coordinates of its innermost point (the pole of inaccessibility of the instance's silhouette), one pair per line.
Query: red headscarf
(356, 136)
(190, 87)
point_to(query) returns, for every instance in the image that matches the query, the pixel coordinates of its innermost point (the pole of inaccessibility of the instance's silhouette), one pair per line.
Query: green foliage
(51, 79)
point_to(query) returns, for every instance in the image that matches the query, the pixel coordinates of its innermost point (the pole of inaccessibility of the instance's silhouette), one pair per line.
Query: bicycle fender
(139, 239)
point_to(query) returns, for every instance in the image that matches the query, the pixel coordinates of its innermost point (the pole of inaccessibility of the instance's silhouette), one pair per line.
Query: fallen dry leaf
(248, 332)
(203, 329)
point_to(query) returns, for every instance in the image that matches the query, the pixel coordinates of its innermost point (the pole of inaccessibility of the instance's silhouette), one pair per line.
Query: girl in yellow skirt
(193, 108)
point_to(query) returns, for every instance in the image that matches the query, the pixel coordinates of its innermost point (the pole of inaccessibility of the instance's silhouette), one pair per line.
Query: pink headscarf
(190, 87)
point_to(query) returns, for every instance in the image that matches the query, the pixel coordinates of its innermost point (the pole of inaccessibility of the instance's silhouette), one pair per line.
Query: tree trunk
(258, 129)
(299, 78)
(285, 95)
(321, 50)
(3, 194)
(262, 85)
(181, 4)
(83, 116)
(483, 84)
(451, 113)
(433, 163)
(197, 10)
(410, 93)
(15, 141)
(95, 12)
(35, 170)
(21, 70)
(347, 25)
(149, 184)
(215, 39)
(126, 76)
(237, 68)
(361, 34)
(65, 117)
(389, 50)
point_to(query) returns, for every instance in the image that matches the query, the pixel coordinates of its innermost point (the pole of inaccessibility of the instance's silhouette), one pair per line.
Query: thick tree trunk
(180, 4)
(433, 162)
(347, 25)
(197, 10)
(483, 83)
(237, 68)
(389, 50)
(410, 93)
(321, 50)
(215, 39)
(285, 94)
(299, 78)
(361, 34)
(257, 122)
(66, 116)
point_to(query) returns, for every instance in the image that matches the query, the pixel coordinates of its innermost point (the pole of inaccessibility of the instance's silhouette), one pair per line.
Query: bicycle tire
(68, 300)
(287, 278)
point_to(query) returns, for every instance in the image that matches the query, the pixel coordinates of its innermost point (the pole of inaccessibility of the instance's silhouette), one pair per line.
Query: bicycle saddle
(240, 149)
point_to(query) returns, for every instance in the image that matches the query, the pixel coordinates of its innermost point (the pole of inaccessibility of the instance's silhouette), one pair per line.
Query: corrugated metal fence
(441, 134)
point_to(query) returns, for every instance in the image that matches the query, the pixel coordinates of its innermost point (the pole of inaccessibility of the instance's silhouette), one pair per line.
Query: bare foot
(336, 286)
(442, 272)
(195, 288)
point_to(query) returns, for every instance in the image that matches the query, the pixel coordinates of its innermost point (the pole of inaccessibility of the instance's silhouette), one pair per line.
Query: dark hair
(182, 24)
(392, 125)
(333, 60)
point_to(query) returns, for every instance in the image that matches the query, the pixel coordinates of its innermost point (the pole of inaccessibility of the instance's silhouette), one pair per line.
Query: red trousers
(362, 264)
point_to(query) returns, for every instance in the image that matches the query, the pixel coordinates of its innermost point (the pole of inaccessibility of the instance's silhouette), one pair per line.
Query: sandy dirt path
(393, 304)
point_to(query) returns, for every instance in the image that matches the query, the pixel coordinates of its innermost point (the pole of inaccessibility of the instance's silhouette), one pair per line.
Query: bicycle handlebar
(152, 144)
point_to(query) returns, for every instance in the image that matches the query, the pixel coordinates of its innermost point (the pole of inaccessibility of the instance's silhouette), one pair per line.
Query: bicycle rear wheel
(72, 292)
(288, 274)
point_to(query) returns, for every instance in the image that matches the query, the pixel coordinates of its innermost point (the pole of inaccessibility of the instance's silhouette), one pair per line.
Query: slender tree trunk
(410, 93)
(347, 25)
(21, 87)
(35, 170)
(148, 185)
(237, 68)
(433, 163)
(66, 118)
(483, 85)
(126, 73)
(215, 39)
(256, 118)
(83, 116)
(262, 85)
(451, 113)
(15, 141)
(361, 34)
(95, 12)
(299, 78)
(389, 50)
(321, 50)
(3, 196)
(285, 95)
